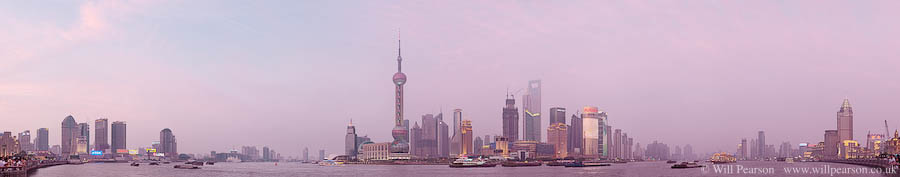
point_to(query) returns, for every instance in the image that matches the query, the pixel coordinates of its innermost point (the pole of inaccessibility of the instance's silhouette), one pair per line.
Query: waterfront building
(167, 144)
(657, 151)
(501, 145)
(630, 147)
(605, 136)
(81, 145)
(266, 155)
(375, 151)
(456, 139)
(428, 141)
(118, 137)
(321, 154)
(68, 139)
(850, 149)
(399, 133)
(688, 153)
(101, 135)
(754, 152)
(350, 143)
(415, 141)
(874, 142)
(476, 147)
(25, 141)
(845, 121)
(42, 140)
(84, 131)
(616, 148)
(575, 136)
(557, 135)
(557, 115)
(742, 150)
(443, 139)
(511, 120)
(531, 106)
(892, 146)
(832, 143)
(467, 134)
(590, 118)
(305, 154)
(8, 145)
(761, 142)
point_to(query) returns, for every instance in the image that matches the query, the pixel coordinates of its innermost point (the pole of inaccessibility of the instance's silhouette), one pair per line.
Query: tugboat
(586, 164)
(687, 165)
(135, 164)
(521, 164)
(466, 162)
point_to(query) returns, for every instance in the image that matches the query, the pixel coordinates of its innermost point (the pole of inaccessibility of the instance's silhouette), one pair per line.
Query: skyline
(641, 64)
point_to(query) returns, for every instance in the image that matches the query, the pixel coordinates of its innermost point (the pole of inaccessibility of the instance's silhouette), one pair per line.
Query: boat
(153, 163)
(187, 166)
(331, 163)
(233, 159)
(671, 161)
(687, 165)
(135, 164)
(196, 163)
(722, 158)
(587, 164)
(210, 163)
(521, 164)
(559, 163)
(466, 162)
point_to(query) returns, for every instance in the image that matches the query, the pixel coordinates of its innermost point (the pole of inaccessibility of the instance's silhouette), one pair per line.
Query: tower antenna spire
(399, 58)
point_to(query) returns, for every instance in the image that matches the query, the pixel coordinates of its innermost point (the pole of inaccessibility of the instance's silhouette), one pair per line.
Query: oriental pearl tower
(400, 132)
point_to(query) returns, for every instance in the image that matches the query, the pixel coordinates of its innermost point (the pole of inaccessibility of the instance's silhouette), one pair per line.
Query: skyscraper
(742, 150)
(443, 139)
(84, 131)
(511, 120)
(605, 136)
(118, 137)
(267, 153)
(429, 136)
(832, 144)
(557, 135)
(761, 143)
(466, 132)
(101, 135)
(350, 143)
(575, 136)
(167, 143)
(306, 154)
(25, 141)
(477, 145)
(557, 115)
(531, 104)
(68, 139)
(456, 139)
(415, 141)
(42, 140)
(400, 133)
(590, 119)
(845, 121)
(321, 154)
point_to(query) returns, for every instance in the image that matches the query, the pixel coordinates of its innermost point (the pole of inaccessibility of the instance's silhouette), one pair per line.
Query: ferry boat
(521, 164)
(135, 164)
(687, 165)
(331, 163)
(721, 158)
(587, 164)
(466, 162)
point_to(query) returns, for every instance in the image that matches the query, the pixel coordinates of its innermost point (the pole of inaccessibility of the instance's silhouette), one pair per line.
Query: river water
(641, 169)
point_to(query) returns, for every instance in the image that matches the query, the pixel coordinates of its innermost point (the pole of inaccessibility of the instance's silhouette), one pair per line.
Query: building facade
(511, 120)
(531, 106)
(350, 143)
(845, 121)
(168, 144)
(575, 136)
(118, 137)
(467, 135)
(42, 140)
(590, 118)
(68, 139)
(557, 135)
(375, 151)
(101, 135)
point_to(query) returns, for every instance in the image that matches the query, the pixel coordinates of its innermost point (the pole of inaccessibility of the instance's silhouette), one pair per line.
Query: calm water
(297, 169)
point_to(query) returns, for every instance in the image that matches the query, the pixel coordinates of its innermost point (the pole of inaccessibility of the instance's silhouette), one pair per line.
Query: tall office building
(511, 120)
(429, 136)
(84, 131)
(350, 143)
(25, 141)
(306, 154)
(400, 133)
(742, 150)
(466, 132)
(443, 139)
(557, 115)
(118, 137)
(761, 143)
(321, 154)
(590, 119)
(69, 134)
(477, 145)
(531, 105)
(845, 121)
(167, 143)
(557, 135)
(101, 135)
(605, 136)
(42, 140)
(267, 154)
(415, 141)
(575, 136)
(832, 144)
(616, 145)
(456, 139)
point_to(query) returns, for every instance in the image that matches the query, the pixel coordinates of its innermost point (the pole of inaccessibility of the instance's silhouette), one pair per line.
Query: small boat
(587, 164)
(153, 163)
(671, 161)
(233, 159)
(187, 166)
(210, 163)
(466, 162)
(521, 164)
(166, 162)
(687, 165)
(134, 164)
(196, 163)
(331, 163)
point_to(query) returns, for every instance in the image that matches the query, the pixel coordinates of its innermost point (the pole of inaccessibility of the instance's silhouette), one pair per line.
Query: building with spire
(401, 131)
(845, 121)
(511, 120)
(350, 143)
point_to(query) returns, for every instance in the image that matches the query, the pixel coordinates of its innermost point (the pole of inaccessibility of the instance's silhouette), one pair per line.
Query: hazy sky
(291, 74)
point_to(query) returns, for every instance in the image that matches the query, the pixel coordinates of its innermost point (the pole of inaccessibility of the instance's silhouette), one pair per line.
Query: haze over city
(292, 74)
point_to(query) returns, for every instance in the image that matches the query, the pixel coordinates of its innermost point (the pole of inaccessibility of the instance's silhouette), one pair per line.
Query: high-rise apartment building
(168, 144)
